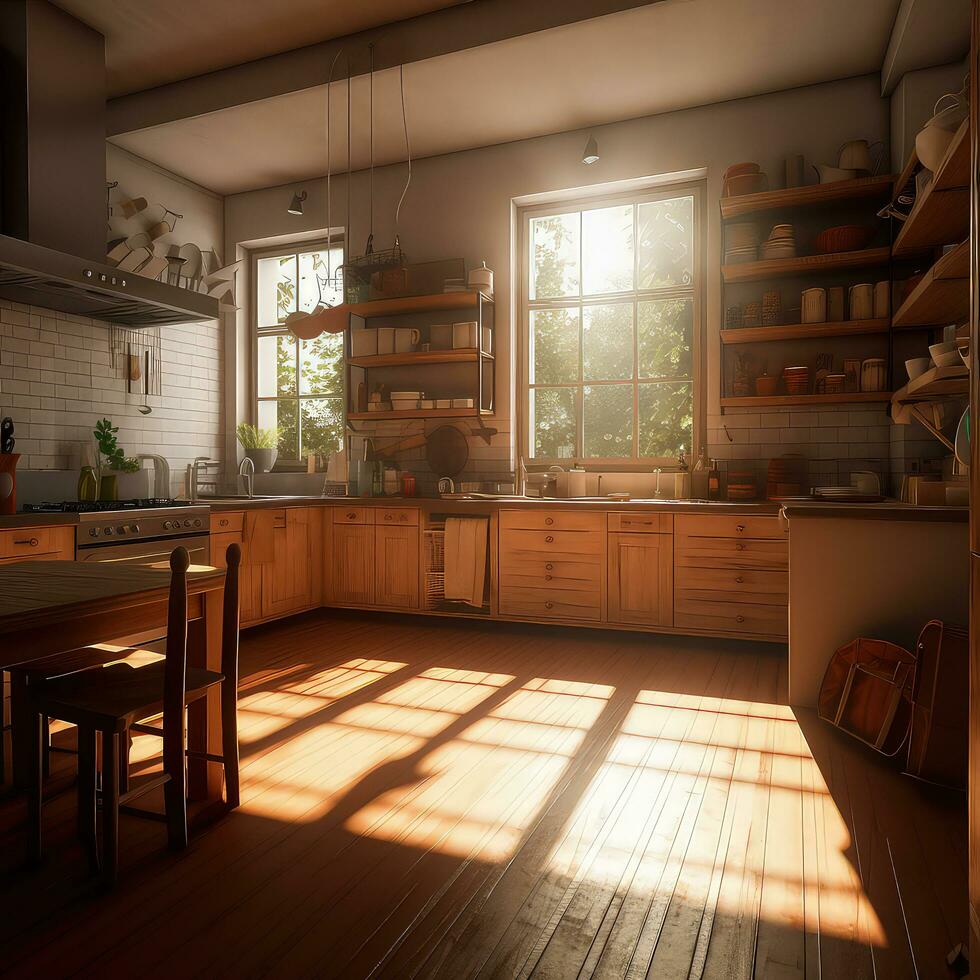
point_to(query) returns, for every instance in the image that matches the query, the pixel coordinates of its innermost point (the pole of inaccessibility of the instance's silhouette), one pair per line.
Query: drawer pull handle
(548, 578)
(33, 542)
(739, 619)
(549, 521)
(549, 538)
(351, 515)
(549, 605)
(223, 522)
(740, 547)
(739, 527)
(387, 517)
(739, 580)
(549, 566)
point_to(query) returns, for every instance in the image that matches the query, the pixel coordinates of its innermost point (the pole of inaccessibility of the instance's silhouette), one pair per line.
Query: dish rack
(434, 585)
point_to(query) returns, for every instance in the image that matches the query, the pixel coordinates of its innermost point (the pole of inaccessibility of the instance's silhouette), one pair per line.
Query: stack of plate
(851, 494)
(796, 380)
(741, 243)
(405, 401)
(786, 477)
(833, 384)
(781, 243)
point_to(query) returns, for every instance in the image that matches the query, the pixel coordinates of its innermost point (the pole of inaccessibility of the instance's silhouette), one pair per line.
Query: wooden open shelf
(943, 295)
(467, 356)
(434, 303)
(804, 265)
(800, 197)
(766, 401)
(803, 331)
(937, 382)
(941, 214)
(419, 413)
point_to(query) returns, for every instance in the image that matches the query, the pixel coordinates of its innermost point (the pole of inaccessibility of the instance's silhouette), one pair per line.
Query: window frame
(283, 249)
(697, 292)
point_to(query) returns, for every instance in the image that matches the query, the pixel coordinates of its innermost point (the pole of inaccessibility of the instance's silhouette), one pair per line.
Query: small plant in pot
(110, 459)
(260, 445)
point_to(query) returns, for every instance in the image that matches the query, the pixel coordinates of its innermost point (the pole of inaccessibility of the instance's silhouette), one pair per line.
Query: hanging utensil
(447, 452)
(7, 441)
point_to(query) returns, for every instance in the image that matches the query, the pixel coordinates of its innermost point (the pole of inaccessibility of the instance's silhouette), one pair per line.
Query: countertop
(885, 511)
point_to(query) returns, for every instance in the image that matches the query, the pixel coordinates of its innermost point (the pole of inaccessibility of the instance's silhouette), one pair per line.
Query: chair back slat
(175, 668)
(229, 620)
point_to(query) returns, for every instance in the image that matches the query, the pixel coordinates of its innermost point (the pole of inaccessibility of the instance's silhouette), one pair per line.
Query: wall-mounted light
(591, 154)
(296, 205)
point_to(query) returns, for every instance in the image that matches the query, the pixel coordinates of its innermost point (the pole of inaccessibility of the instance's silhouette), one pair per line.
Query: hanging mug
(861, 301)
(814, 305)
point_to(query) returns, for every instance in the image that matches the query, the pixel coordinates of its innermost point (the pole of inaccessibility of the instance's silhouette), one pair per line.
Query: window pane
(323, 425)
(277, 366)
(607, 337)
(609, 420)
(284, 416)
(554, 337)
(666, 418)
(554, 256)
(665, 328)
(321, 365)
(607, 250)
(553, 414)
(276, 289)
(666, 243)
(314, 283)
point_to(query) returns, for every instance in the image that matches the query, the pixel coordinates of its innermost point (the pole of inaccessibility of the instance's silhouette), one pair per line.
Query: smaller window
(299, 385)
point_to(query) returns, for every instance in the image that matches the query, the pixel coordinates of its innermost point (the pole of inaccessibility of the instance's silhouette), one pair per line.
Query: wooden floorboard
(439, 799)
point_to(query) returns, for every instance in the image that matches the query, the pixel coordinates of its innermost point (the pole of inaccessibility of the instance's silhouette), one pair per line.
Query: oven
(144, 536)
(148, 552)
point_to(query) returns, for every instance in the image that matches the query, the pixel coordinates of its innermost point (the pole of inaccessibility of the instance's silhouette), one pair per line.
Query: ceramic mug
(861, 303)
(406, 339)
(814, 305)
(882, 300)
(386, 340)
(873, 374)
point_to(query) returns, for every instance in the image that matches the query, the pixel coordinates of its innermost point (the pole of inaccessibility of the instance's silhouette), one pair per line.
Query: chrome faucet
(247, 472)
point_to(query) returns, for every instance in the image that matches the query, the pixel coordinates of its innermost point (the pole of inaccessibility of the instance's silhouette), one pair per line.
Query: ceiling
(149, 44)
(648, 60)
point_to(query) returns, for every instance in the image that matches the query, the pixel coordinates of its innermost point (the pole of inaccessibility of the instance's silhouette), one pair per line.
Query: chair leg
(33, 735)
(110, 807)
(46, 746)
(87, 795)
(175, 791)
(229, 741)
(125, 745)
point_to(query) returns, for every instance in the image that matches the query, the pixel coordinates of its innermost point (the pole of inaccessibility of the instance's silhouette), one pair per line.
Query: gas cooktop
(101, 506)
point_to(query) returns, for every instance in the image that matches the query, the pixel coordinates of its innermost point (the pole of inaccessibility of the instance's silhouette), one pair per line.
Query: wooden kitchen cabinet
(352, 568)
(51, 543)
(287, 581)
(396, 566)
(641, 571)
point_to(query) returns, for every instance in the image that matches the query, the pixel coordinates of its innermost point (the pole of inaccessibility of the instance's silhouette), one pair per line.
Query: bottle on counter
(88, 486)
(714, 481)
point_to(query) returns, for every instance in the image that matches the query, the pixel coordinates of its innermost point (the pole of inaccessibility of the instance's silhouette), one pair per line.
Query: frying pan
(446, 451)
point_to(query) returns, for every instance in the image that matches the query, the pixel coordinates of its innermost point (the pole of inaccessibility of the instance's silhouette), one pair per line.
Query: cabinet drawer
(406, 516)
(731, 553)
(549, 603)
(53, 542)
(734, 584)
(731, 617)
(642, 523)
(353, 515)
(581, 545)
(522, 573)
(219, 547)
(550, 520)
(226, 523)
(727, 526)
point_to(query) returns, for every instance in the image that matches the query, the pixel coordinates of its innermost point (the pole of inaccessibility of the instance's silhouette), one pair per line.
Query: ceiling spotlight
(591, 154)
(296, 205)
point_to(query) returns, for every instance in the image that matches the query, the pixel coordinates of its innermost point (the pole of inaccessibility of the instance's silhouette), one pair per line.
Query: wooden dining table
(51, 607)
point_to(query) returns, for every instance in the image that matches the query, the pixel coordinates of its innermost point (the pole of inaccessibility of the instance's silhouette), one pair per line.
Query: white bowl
(946, 354)
(917, 365)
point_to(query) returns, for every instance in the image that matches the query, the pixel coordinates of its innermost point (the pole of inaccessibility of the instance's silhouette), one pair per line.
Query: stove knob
(107, 531)
(122, 529)
(167, 525)
(197, 523)
(93, 532)
(187, 523)
(135, 528)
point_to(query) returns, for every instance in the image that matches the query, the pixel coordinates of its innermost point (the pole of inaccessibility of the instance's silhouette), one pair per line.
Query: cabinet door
(396, 567)
(352, 573)
(257, 551)
(641, 589)
(287, 583)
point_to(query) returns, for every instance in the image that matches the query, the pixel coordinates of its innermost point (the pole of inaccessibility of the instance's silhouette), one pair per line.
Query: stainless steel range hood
(52, 178)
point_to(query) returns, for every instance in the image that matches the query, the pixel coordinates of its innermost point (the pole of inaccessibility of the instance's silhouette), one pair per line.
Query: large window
(299, 385)
(611, 326)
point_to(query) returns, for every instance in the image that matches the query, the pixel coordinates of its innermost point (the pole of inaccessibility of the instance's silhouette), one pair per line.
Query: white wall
(56, 372)
(461, 204)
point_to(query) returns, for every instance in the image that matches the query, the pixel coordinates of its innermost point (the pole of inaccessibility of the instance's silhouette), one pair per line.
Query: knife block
(8, 482)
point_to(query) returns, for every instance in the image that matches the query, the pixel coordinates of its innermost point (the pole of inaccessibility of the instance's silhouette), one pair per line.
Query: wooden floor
(425, 798)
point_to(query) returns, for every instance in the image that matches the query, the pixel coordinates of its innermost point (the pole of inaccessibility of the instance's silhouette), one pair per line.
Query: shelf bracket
(933, 425)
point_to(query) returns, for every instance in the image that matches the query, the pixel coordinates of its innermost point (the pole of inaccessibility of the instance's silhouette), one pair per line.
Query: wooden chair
(112, 702)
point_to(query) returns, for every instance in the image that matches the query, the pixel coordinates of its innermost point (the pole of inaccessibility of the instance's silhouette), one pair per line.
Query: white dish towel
(466, 559)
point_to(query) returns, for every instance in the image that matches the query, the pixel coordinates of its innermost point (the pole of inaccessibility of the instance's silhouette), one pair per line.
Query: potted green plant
(110, 460)
(261, 445)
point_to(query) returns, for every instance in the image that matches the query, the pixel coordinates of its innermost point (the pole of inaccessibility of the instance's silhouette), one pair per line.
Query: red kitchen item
(408, 484)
